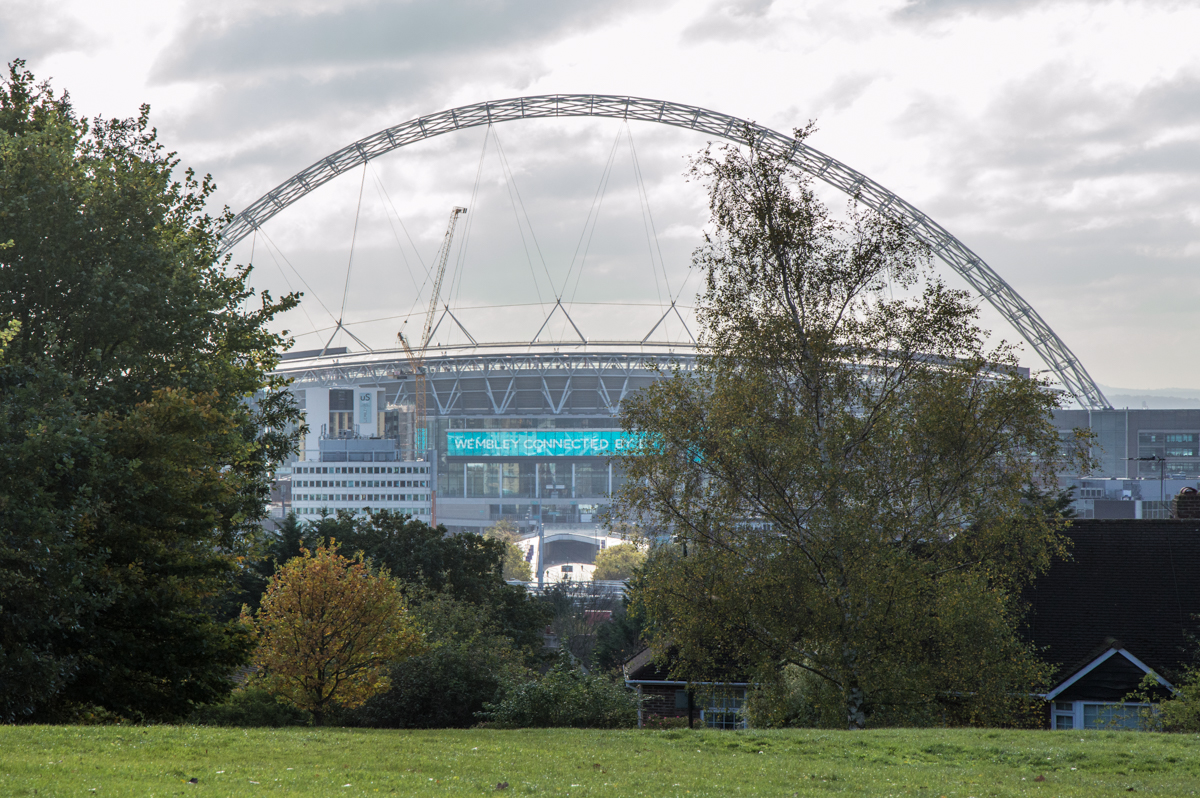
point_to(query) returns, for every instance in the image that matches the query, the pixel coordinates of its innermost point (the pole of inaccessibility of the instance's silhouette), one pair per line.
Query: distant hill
(1154, 398)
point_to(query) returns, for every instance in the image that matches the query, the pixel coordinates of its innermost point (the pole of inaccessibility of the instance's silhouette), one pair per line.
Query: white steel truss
(475, 382)
(1019, 313)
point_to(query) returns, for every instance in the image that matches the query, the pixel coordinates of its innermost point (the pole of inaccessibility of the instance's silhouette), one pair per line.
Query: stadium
(472, 433)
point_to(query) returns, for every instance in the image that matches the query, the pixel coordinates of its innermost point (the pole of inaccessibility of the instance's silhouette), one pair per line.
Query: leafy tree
(618, 562)
(251, 707)
(134, 466)
(467, 662)
(502, 530)
(579, 609)
(466, 566)
(619, 639)
(565, 697)
(844, 474)
(514, 565)
(329, 629)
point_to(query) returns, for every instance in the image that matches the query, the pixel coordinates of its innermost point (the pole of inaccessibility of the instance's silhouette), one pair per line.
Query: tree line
(847, 495)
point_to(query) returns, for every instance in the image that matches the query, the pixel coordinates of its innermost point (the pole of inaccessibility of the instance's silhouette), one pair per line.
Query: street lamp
(1162, 471)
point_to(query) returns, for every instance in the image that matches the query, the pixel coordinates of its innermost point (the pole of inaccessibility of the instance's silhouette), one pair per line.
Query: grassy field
(161, 761)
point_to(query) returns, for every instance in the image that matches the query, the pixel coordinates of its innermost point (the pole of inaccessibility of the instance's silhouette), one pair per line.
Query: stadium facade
(528, 433)
(521, 432)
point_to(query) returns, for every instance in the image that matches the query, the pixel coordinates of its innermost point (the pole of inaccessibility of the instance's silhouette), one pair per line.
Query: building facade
(523, 433)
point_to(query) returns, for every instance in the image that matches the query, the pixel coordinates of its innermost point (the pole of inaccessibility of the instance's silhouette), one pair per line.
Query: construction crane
(416, 356)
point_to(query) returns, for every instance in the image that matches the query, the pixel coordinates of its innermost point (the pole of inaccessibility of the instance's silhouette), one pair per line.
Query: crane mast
(416, 357)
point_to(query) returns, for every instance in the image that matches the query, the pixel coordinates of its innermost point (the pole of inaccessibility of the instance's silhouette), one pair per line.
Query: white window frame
(722, 702)
(1061, 710)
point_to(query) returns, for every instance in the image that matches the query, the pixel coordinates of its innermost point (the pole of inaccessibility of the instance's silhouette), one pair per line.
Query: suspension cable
(353, 240)
(511, 181)
(597, 203)
(455, 294)
(647, 216)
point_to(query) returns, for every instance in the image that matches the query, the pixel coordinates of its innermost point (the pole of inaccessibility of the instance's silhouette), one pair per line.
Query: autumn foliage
(328, 630)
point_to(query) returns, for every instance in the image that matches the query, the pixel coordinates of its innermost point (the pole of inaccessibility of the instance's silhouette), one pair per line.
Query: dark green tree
(845, 474)
(466, 566)
(139, 426)
(467, 662)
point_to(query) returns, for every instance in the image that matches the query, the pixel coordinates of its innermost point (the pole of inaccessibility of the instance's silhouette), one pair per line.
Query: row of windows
(360, 470)
(537, 480)
(719, 709)
(560, 422)
(356, 497)
(1158, 438)
(360, 483)
(422, 512)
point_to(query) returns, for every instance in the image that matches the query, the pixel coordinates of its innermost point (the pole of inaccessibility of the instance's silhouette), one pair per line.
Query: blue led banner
(539, 443)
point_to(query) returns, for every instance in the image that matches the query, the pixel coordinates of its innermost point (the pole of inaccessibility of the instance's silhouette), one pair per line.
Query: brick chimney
(1186, 504)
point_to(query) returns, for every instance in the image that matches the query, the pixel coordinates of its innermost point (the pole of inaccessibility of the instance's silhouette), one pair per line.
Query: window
(724, 708)
(1098, 715)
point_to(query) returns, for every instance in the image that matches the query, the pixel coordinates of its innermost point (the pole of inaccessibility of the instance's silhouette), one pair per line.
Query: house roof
(1131, 584)
(645, 667)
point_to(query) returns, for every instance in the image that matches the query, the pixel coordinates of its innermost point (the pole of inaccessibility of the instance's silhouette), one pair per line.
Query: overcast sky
(1059, 140)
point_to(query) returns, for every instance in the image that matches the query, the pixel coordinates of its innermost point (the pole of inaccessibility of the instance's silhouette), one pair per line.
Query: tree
(618, 562)
(515, 567)
(139, 426)
(579, 609)
(467, 662)
(466, 566)
(565, 697)
(844, 474)
(329, 629)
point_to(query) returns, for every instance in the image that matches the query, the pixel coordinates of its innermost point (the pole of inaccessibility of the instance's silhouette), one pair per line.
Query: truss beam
(1019, 313)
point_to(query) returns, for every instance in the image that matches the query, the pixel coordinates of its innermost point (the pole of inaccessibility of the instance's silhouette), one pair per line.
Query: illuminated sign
(539, 443)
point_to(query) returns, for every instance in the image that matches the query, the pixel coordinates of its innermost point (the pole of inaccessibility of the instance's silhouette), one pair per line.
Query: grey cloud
(373, 33)
(929, 10)
(731, 20)
(844, 92)
(1083, 197)
(29, 29)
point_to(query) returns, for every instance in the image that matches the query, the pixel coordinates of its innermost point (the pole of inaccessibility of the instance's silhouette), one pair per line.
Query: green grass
(159, 761)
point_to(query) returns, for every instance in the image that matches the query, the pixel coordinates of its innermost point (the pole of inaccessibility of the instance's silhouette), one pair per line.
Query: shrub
(251, 707)
(565, 697)
(659, 722)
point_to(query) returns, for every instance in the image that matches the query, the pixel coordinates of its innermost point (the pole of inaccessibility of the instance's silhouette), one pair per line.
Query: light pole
(1162, 471)
(541, 545)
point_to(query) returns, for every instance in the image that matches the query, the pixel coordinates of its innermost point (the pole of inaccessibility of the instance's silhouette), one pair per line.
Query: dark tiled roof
(1134, 583)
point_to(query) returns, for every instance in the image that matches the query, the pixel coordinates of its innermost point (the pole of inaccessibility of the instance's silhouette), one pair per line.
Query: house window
(724, 709)
(681, 701)
(1100, 716)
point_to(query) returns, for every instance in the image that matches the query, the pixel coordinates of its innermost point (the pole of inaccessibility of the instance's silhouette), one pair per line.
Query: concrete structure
(525, 433)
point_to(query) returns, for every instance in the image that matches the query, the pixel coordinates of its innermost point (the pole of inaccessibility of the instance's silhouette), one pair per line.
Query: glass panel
(1109, 716)
(591, 479)
(1064, 721)
(451, 483)
(517, 479)
(483, 479)
(556, 480)
(724, 709)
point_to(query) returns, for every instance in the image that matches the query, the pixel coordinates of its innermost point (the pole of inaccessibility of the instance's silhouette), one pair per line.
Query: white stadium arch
(1019, 313)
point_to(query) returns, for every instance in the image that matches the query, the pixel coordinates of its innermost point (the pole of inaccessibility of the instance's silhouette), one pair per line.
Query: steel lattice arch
(1019, 313)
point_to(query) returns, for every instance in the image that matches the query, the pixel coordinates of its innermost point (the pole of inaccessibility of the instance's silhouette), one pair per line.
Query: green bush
(251, 707)
(565, 697)
(466, 663)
